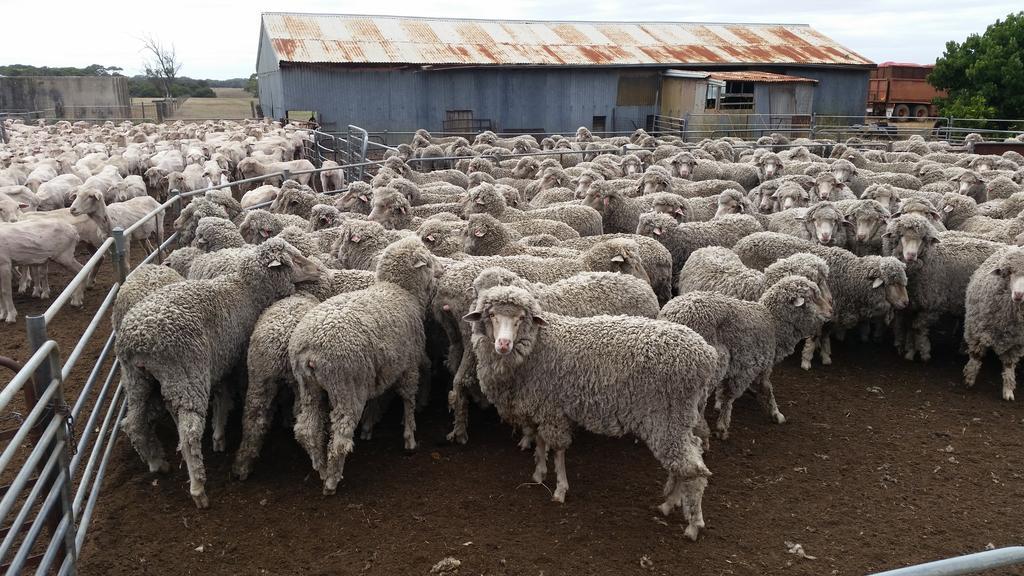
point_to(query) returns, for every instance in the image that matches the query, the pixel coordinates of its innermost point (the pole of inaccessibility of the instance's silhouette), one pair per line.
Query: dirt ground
(882, 463)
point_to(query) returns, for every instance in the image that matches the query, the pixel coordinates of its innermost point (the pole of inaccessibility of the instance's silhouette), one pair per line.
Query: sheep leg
(766, 395)
(221, 404)
(38, 276)
(723, 402)
(457, 397)
(407, 387)
(256, 415)
(977, 355)
(309, 420)
(138, 422)
(372, 414)
(562, 485)
(1009, 360)
(6, 297)
(67, 260)
(540, 458)
(810, 345)
(344, 419)
(527, 440)
(826, 349)
(191, 425)
(24, 278)
(922, 324)
(693, 497)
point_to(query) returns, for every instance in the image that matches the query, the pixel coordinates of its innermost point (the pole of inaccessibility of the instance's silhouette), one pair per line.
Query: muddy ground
(882, 463)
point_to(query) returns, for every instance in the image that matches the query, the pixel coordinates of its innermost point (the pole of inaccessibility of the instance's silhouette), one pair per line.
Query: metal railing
(54, 481)
(960, 565)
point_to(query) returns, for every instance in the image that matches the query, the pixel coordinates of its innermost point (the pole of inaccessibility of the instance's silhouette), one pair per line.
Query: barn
(396, 74)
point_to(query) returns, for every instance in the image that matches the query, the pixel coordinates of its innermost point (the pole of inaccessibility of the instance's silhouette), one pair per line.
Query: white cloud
(218, 38)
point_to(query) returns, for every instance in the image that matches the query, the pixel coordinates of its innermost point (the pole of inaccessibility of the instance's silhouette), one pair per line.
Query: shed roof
(354, 39)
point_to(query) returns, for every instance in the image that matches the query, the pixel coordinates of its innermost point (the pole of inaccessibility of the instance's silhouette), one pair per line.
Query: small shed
(692, 92)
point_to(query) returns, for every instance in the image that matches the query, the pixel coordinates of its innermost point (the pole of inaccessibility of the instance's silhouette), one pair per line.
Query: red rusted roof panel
(349, 39)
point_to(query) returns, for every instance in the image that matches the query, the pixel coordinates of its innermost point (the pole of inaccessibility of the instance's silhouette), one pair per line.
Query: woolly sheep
(267, 358)
(619, 214)
(751, 337)
(213, 234)
(143, 281)
(361, 241)
(190, 215)
(485, 236)
(993, 318)
(178, 338)
(655, 258)
(259, 225)
(328, 353)
(682, 239)
(938, 272)
(536, 367)
(718, 269)
(868, 219)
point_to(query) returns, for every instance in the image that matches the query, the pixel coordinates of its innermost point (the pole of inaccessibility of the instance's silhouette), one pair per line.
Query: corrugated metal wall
(551, 100)
(842, 92)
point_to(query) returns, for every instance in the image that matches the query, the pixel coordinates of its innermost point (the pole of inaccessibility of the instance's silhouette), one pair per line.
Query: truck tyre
(901, 111)
(920, 111)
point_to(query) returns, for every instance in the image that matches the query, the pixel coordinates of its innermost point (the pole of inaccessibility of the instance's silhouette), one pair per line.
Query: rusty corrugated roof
(353, 39)
(751, 76)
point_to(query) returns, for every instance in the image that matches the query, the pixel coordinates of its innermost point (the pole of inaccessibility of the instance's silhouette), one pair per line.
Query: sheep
(56, 193)
(297, 201)
(251, 167)
(655, 258)
(450, 176)
(391, 209)
(259, 225)
(827, 187)
(356, 199)
(485, 198)
(823, 223)
(328, 353)
(537, 367)
(180, 339)
(361, 242)
(34, 242)
(583, 294)
(485, 236)
(213, 234)
(682, 239)
(122, 215)
(751, 337)
(556, 228)
(23, 196)
(258, 196)
(686, 166)
(181, 259)
(143, 281)
(868, 219)
(993, 316)
(188, 219)
(442, 237)
(938, 272)
(718, 269)
(267, 358)
(866, 288)
(1006, 208)
(997, 188)
(619, 214)
(971, 184)
(332, 178)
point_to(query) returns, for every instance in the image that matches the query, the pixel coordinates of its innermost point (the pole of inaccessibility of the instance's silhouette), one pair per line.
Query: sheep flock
(618, 285)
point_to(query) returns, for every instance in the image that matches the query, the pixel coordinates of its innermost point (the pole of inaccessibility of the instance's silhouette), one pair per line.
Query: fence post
(119, 261)
(285, 175)
(35, 327)
(814, 124)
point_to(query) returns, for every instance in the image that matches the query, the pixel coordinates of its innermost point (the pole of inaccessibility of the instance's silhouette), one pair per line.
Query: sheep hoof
(559, 496)
(329, 491)
(909, 356)
(722, 434)
(692, 531)
(826, 360)
(665, 508)
(241, 471)
(925, 357)
(202, 500)
(779, 418)
(1008, 395)
(457, 437)
(219, 445)
(366, 435)
(159, 466)
(525, 443)
(806, 365)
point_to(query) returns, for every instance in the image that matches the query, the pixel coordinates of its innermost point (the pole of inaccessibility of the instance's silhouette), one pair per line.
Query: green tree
(252, 86)
(984, 75)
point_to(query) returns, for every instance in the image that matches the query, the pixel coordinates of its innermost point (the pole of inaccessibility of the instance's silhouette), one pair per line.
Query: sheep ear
(402, 209)
(354, 238)
(419, 264)
(473, 316)
(478, 233)
(274, 263)
(742, 209)
(798, 301)
(479, 201)
(933, 239)
(429, 237)
(364, 198)
(540, 321)
(948, 209)
(999, 272)
(657, 231)
(618, 258)
(878, 282)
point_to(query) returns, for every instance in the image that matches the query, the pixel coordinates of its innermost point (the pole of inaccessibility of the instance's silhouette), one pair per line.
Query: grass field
(231, 103)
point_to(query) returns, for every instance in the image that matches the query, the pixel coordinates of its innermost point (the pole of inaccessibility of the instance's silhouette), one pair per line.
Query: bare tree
(162, 66)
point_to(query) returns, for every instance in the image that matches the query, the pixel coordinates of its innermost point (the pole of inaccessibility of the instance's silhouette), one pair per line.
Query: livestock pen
(873, 450)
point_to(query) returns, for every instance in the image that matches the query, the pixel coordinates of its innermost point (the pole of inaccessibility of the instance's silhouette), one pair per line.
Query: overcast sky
(218, 38)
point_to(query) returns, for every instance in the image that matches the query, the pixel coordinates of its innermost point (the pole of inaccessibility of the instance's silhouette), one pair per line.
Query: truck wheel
(901, 111)
(920, 111)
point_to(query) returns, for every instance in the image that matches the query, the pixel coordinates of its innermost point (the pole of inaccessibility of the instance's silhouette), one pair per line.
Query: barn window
(738, 96)
(598, 124)
(711, 98)
(637, 89)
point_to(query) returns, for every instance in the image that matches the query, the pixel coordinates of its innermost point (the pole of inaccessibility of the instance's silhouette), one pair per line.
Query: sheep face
(476, 233)
(866, 224)
(1011, 270)
(621, 256)
(826, 184)
(910, 236)
(526, 168)
(968, 181)
(631, 165)
(90, 201)
(389, 209)
(791, 195)
(770, 166)
(553, 178)
(730, 202)
(672, 205)
(655, 182)
(354, 200)
(683, 165)
(509, 317)
(584, 184)
(323, 216)
(843, 170)
(823, 221)
(281, 258)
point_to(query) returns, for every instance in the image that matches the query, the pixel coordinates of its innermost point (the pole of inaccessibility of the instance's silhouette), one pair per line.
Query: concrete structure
(70, 97)
(399, 74)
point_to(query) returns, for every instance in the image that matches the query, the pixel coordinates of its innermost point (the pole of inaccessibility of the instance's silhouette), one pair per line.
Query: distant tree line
(139, 86)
